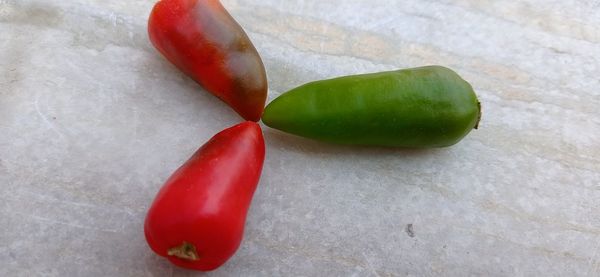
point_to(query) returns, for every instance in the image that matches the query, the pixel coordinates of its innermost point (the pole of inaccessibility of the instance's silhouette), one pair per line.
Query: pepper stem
(186, 251)
(479, 115)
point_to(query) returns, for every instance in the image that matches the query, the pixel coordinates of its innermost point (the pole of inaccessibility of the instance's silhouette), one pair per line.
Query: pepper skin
(416, 108)
(202, 39)
(197, 219)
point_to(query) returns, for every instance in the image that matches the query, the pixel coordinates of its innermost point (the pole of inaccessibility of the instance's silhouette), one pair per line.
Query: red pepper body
(197, 219)
(202, 39)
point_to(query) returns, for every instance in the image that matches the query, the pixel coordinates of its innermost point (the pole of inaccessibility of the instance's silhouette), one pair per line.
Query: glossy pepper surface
(202, 39)
(197, 218)
(421, 107)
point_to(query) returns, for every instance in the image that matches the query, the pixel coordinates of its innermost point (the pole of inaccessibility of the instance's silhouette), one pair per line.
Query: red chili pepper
(197, 219)
(202, 39)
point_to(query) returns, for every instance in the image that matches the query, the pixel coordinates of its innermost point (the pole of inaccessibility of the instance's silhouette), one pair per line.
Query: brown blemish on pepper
(242, 44)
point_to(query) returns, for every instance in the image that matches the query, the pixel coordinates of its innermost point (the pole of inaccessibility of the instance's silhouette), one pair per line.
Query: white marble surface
(92, 121)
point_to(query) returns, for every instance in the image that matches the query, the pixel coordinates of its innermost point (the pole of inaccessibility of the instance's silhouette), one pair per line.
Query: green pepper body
(417, 108)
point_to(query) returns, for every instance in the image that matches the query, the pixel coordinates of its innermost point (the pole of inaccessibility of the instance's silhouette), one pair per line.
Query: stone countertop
(93, 120)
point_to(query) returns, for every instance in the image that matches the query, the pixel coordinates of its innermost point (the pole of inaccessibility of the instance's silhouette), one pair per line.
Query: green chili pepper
(421, 107)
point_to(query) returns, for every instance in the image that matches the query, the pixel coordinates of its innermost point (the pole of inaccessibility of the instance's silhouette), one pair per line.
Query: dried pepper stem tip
(186, 251)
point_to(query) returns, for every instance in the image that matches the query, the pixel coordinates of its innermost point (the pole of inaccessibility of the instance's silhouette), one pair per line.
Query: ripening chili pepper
(420, 107)
(197, 218)
(202, 39)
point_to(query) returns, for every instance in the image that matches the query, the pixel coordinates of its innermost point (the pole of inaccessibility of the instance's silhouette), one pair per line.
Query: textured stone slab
(93, 120)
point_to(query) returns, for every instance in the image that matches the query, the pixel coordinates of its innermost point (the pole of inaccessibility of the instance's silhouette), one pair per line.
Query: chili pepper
(420, 107)
(197, 218)
(204, 41)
